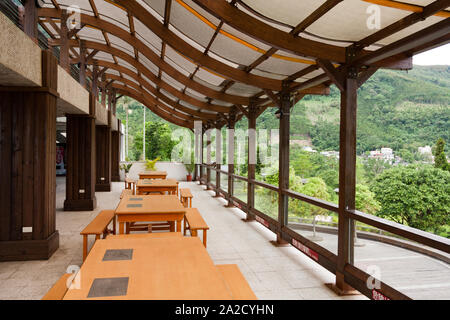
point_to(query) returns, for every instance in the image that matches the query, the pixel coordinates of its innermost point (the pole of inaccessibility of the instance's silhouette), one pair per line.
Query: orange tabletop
(157, 185)
(149, 208)
(153, 175)
(177, 268)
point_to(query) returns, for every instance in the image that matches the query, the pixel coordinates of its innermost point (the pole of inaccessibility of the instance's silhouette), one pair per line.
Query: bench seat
(186, 197)
(97, 227)
(59, 289)
(146, 235)
(126, 192)
(236, 282)
(193, 221)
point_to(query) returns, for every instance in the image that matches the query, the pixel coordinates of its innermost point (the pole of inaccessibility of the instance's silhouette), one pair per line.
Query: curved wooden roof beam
(271, 36)
(151, 100)
(146, 85)
(144, 70)
(149, 54)
(139, 97)
(174, 41)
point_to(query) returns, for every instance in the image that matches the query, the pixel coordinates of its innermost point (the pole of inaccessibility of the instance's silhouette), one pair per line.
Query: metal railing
(353, 275)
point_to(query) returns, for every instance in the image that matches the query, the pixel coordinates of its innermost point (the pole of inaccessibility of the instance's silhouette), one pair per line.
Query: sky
(437, 56)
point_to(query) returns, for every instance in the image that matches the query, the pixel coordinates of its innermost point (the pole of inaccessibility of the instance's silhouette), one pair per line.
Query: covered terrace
(201, 65)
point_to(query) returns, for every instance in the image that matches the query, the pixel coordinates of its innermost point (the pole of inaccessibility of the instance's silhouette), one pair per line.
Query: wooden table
(157, 185)
(176, 268)
(149, 208)
(153, 175)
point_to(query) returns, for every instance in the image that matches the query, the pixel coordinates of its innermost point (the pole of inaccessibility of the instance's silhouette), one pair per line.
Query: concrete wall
(174, 170)
(114, 123)
(73, 98)
(20, 57)
(101, 115)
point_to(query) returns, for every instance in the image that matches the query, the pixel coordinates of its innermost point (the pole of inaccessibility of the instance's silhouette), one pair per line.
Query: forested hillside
(396, 109)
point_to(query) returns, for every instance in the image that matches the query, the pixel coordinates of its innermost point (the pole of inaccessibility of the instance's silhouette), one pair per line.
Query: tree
(440, 160)
(158, 142)
(365, 199)
(374, 167)
(415, 196)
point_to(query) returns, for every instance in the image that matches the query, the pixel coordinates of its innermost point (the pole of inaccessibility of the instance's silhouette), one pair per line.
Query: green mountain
(397, 109)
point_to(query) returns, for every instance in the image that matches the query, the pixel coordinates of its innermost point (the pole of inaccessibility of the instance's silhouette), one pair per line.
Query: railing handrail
(423, 237)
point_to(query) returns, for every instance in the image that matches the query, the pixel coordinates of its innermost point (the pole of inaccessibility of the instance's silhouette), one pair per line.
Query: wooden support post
(348, 79)
(83, 63)
(94, 90)
(219, 159)
(252, 159)
(283, 182)
(103, 158)
(103, 90)
(64, 61)
(198, 149)
(230, 148)
(81, 164)
(30, 24)
(347, 177)
(208, 158)
(27, 168)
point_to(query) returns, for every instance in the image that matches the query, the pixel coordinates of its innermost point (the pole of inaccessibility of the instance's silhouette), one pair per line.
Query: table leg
(204, 237)
(178, 225)
(127, 227)
(85, 246)
(121, 227)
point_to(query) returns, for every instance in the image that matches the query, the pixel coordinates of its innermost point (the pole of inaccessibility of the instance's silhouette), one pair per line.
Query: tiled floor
(273, 273)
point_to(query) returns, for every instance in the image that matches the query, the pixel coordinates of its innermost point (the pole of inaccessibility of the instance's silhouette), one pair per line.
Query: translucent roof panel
(189, 24)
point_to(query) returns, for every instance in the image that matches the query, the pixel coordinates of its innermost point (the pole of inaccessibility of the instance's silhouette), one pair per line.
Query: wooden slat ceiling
(209, 59)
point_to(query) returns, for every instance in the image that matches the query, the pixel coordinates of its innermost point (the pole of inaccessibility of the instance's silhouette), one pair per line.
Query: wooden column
(219, 159)
(83, 63)
(115, 142)
(252, 159)
(198, 151)
(80, 177)
(64, 59)
(27, 168)
(115, 156)
(347, 177)
(208, 158)
(230, 147)
(30, 23)
(103, 158)
(283, 182)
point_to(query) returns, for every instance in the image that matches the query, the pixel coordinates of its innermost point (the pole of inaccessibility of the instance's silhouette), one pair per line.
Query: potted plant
(190, 169)
(150, 165)
(126, 168)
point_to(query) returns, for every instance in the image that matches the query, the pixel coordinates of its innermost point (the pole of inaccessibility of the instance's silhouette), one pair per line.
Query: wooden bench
(126, 192)
(193, 221)
(59, 289)
(145, 235)
(236, 282)
(97, 227)
(186, 197)
(130, 184)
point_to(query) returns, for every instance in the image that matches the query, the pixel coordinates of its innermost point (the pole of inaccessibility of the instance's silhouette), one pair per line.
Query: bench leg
(85, 246)
(193, 233)
(185, 227)
(204, 238)
(114, 225)
(179, 225)
(127, 228)
(121, 227)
